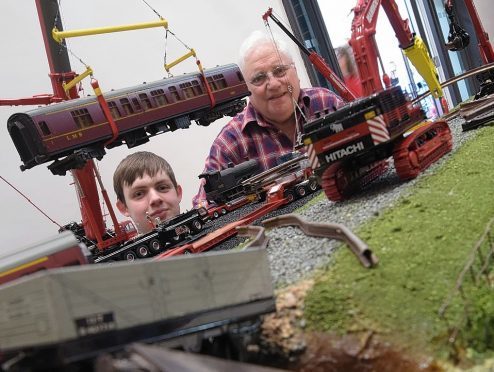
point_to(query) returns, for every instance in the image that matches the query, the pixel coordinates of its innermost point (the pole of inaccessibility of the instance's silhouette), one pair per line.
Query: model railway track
(475, 113)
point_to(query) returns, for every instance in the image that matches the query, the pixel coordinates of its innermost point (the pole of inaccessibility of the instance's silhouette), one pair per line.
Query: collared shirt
(249, 136)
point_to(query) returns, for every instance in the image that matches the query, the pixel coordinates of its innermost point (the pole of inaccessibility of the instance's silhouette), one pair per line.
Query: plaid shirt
(248, 136)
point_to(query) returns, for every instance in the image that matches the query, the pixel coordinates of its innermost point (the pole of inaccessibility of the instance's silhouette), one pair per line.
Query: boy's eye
(163, 188)
(138, 194)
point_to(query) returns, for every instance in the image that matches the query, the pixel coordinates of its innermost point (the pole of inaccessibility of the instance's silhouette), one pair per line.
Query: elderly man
(277, 108)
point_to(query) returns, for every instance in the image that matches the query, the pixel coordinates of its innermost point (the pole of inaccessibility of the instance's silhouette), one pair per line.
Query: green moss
(422, 244)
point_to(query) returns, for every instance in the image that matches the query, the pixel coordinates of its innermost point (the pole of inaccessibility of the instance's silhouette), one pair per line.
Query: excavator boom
(367, 54)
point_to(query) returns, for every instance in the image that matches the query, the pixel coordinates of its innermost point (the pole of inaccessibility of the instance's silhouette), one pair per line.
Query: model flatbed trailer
(69, 314)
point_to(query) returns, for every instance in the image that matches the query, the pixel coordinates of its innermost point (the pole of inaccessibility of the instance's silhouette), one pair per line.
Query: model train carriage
(67, 314)
(225, 185)
(359, 126)
(57, 251)
(52, 132)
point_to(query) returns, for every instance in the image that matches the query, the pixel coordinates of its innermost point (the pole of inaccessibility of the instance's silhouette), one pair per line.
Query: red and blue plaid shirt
(248, 136)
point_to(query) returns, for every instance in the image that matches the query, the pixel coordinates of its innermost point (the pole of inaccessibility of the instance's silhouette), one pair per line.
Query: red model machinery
(347, 148)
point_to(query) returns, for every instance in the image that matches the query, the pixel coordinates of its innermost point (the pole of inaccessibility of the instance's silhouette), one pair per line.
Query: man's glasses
(277, 72)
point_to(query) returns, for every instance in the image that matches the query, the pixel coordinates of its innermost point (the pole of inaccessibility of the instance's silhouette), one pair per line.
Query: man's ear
(179, 192)
(122, 208)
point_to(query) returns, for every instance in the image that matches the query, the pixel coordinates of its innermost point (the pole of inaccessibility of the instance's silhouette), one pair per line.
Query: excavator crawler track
(421, 148)
(339, 181)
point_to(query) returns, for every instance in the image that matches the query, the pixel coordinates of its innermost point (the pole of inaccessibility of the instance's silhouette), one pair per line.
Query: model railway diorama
(62, 302)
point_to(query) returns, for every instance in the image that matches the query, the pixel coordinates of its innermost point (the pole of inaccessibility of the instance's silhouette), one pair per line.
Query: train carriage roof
(115, 93)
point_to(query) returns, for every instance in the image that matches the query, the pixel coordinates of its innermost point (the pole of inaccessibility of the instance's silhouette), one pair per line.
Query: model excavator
(348, 148)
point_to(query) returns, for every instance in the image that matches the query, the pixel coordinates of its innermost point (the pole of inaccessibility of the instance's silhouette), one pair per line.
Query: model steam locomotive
(225, 185)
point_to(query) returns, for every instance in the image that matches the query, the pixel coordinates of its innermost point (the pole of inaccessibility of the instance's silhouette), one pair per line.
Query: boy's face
(149, 198)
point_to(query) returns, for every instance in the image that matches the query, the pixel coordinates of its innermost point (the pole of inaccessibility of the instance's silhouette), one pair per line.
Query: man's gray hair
(255, 40)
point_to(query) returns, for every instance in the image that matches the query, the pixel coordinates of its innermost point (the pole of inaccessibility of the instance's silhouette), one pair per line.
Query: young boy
(147, 190)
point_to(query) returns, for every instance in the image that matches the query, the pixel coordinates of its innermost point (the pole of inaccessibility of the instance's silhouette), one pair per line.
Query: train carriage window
(126, 106)
(44, 128)
(82, 117)
(137, 105)
(145, 100)
(115, 112)
(211, 83)
(220, 81)
(159, 97)
(240, 76)
(174, 93)
(217, 82)
(187, 89)
(196, 87)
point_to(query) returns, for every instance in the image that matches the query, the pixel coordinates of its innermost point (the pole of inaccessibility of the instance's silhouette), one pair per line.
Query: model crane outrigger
(348, 148)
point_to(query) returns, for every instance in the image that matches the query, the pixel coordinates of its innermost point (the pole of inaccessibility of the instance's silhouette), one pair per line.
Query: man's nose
(273, 80)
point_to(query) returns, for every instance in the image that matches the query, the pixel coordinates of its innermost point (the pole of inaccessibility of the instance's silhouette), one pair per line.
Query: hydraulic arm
(367, 53)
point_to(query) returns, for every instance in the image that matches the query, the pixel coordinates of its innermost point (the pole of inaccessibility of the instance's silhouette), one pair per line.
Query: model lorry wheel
(300, 191)
(129, 256)
(196, 226)
(313, 184)
(154, 245)
(142, 251)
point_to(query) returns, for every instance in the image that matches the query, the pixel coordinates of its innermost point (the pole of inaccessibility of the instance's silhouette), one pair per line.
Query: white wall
(214, 28)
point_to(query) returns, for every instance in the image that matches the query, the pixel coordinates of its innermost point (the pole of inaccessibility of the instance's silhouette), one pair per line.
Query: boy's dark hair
(135, 166)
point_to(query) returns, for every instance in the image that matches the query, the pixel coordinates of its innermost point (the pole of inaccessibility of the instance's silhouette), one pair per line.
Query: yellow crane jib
(58, 36)
(77, 79)
(168, 66)
(419, 56)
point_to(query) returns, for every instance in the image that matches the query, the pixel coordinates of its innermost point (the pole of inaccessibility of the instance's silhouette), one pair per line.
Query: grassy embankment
(422, 244)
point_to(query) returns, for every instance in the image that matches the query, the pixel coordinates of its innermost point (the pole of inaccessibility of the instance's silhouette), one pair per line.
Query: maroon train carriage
(58, 251)
(78, 130)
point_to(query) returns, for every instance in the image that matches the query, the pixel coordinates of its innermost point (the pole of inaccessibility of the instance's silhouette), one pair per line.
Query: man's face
(272, 99)
(149, 198)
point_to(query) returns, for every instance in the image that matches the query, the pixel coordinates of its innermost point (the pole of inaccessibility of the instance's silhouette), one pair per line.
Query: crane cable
(297, 141)
(168, 31)
(191, 53)
(29, 200)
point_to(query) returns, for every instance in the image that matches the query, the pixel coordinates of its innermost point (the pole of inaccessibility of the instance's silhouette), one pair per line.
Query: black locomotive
(226, 185)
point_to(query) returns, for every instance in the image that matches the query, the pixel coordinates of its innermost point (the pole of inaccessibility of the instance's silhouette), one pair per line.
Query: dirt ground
(284, 335)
